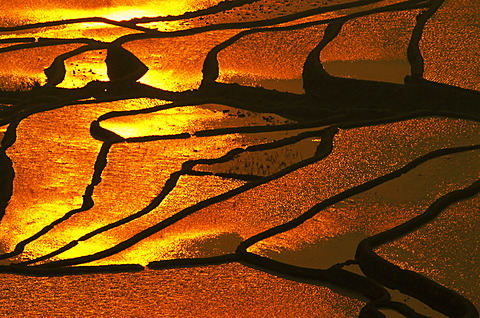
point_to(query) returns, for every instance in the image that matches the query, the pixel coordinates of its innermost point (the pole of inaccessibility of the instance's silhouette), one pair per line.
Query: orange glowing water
(55, 153)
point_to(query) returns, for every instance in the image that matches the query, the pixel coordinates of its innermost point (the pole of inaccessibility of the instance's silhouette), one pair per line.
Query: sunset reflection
(258, 158)
(110, 9)
(165, 122)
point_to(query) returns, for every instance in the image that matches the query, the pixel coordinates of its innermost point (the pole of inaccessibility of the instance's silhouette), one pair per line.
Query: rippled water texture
(239, 158)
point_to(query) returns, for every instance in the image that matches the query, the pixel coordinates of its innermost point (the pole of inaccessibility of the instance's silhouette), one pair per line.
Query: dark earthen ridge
(414, 53)
(17, 40)
(77, 270)
(223, 89)
(436, 296)
(155, 33)
(193, 262)
(7, 173)
(442, 152)
(334, 277)
(43, 42)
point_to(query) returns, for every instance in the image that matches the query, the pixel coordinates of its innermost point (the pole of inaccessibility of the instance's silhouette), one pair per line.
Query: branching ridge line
(87, 203)
(167, 188)
(211, 70)
(132, 24)
(250, 24)
(444, 300)
(326, 144)
(225, 26)
(349, 193)
(172, 182)
(333, 275)
(414, 54)
(337, 276)
(7, 173)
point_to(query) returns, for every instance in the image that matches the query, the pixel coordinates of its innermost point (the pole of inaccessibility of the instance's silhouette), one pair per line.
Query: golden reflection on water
(143, 178)
(44, 10)
(91, 30)
(54, 156)
(187, 119)
(137, 170)
(3, 129)
(48, 184)
(166, 122)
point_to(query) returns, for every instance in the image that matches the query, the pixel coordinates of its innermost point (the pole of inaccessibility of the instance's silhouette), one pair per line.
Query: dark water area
(239, 158)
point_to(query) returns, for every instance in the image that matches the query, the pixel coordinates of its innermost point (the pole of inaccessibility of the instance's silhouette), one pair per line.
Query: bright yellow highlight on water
(111, 9)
